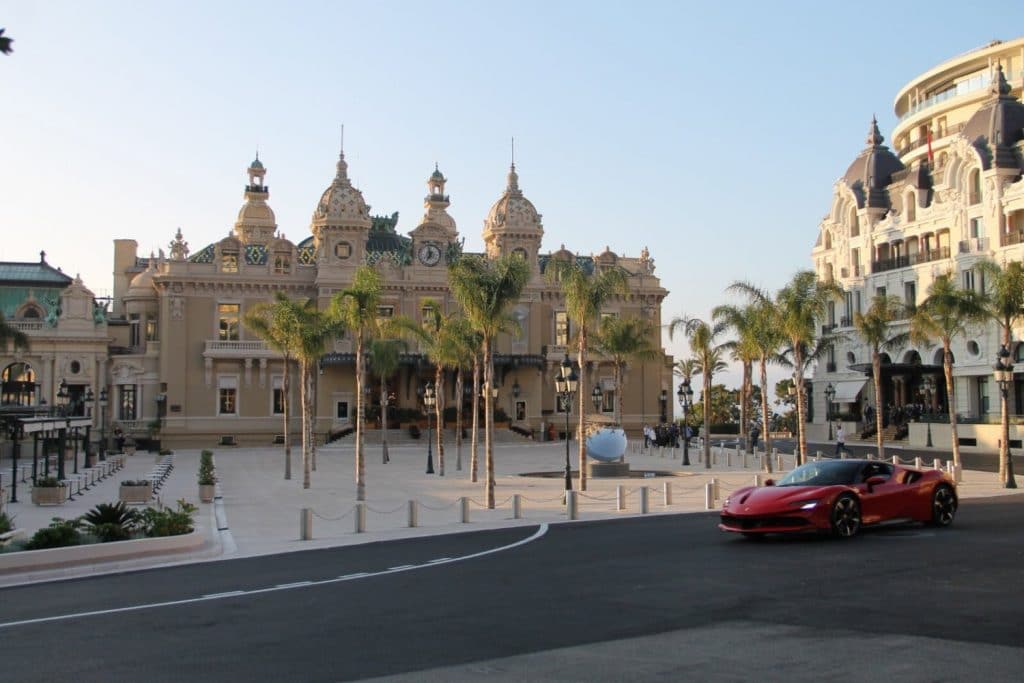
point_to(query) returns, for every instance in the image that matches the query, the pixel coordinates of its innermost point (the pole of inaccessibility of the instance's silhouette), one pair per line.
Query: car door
(883, 501)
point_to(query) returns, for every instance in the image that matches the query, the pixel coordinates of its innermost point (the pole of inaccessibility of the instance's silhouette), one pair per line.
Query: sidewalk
(258, 512)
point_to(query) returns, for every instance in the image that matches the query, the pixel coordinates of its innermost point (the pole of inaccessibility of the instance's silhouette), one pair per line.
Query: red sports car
(841, 496)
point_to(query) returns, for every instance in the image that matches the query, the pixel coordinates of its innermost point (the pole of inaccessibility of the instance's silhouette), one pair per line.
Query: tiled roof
(36, 273)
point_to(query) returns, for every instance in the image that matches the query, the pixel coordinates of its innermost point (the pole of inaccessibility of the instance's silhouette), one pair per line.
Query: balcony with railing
(219, 348)
(555, 351)
(27, 326)
(1008, 239)
(882, 265)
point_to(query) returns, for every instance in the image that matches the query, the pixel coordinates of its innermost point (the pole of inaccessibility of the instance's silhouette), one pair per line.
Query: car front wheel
(846, 516)
(943, 506)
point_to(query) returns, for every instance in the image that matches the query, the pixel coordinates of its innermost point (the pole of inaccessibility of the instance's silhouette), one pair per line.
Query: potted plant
(207, 476)
(49, 491)
(135, 491)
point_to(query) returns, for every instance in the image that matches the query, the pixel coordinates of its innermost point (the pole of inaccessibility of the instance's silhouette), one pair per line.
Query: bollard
(918, 463)
(643, 500)
(517, 506)
(414, 514)
(570, 504)
(620, 497)
(673, 452)
(818, 456)
(746, 464)
(666, 492)
(709, 496)
(936, 464)
(360, 518)
(464, 510)
(306, 524)
(843, 455)
(778, 462)
(728, 458)
(714, 486)
(895, 460)
(758, 479)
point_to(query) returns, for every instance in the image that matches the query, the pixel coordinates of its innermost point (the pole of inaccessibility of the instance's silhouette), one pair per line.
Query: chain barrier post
(666, 492)
(414, 514)
(360, 518)
(895, 460)
(306, 524)
(714, 488)
(517, 506)
(620, 497)
(464, 510)
(918, 462)
(570, 505)
(643, 500)
(709, 496)
(936, 464)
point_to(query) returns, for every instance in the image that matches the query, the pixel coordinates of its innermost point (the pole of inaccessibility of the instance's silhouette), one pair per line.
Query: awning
(846, 392)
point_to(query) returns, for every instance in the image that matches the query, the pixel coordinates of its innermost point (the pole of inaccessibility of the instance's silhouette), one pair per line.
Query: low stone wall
(99, 552)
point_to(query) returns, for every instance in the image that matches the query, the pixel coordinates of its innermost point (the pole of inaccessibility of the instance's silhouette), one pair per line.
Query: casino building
(945, 196)
(181, 357)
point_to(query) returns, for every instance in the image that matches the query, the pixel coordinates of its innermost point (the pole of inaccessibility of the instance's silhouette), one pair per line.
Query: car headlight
(726, 503)
(805, 504)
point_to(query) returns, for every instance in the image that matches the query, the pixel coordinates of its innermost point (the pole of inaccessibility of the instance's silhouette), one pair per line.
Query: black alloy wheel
(846, 516)
(944, 505)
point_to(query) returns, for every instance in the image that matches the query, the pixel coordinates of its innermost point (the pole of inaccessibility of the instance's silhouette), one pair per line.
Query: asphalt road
(665, 598)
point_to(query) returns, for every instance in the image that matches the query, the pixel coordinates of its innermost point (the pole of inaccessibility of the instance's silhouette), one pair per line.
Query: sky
(711, 133)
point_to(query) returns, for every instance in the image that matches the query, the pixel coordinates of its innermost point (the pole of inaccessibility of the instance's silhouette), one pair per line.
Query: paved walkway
(258, 511)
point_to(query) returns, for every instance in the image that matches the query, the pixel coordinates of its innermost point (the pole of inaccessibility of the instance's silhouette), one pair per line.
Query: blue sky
(711, 133)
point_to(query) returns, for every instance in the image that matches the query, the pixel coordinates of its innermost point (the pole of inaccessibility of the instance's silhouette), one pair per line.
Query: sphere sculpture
(606, 443)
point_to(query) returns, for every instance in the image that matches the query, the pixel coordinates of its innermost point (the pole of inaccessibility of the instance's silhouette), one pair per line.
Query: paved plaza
(258, 512)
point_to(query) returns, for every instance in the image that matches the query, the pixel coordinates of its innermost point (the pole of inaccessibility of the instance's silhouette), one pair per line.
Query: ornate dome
(871, 172)
(256, 213)
(997, 126)
(256, 163)
(513, 211)
(341, 203)
(141, 286)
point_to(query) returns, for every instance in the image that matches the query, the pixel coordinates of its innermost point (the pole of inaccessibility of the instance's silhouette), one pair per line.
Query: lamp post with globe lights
(830, 393)
(429, 401)
(1003, 371)
(685, 396)
(565, 386)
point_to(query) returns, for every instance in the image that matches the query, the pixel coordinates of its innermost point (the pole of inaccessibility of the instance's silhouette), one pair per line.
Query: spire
(342, 165)
(874, 136)
(999, 85)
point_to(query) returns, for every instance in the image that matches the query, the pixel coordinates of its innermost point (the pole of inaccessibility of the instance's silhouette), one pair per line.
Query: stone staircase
(888, 435)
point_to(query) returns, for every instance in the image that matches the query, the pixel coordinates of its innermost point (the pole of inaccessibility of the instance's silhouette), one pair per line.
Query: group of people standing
(665, 434)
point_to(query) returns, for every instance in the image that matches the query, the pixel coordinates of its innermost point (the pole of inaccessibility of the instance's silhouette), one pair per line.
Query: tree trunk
(947, 369)
(286, 387)
(360, 419)
(876, 371)
(581, 389)
(314, 387)
(1005, 463)
(474, 460)
(798, 361)
(439, 417)
(764, 415)
(745, 405)
(384, 420)
(307, 421)
(488, 423)
(706, 376)
(458, 420)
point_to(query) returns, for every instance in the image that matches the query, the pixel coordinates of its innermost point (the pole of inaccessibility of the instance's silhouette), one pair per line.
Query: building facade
(181, 357)
(949, 196)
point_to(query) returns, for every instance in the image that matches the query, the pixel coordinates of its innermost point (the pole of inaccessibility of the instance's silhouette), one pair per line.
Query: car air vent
(744, 498)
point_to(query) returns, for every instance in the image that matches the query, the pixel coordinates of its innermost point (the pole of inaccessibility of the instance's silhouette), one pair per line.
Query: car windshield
(822, 474)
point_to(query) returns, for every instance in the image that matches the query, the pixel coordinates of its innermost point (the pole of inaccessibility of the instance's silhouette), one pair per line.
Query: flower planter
(49, 495)
(206, 492)
(135, 494)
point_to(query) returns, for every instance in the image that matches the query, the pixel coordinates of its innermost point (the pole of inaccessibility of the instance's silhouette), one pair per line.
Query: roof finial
(513, 152)
(42, 257)
(343, 141)
(342, 165)
(999, 85)
(874, 136)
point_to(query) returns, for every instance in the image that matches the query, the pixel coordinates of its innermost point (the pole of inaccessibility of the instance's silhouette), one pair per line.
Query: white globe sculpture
(606, 444)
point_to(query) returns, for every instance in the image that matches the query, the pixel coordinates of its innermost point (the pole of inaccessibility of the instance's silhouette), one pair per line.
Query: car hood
(782, 496)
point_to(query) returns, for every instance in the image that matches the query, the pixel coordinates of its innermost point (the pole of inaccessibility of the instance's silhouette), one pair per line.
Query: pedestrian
(755, 433)
(841, 440)
(647, 436)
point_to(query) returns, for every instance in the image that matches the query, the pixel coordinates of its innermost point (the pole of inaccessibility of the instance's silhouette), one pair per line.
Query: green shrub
(6, 523)
(164, 521)
(47, 482)
(111, 521)
(60, 533)
(135, 482)
(725, 428)
(206, 471)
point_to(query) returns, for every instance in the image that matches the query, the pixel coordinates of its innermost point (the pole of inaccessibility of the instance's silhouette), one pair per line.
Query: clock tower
(513, 225)
(436, 231)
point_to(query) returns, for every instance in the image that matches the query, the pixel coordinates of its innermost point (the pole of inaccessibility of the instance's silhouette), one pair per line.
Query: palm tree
(947, 311)
(486, 289)
(585, 294)
(873, 326)
(466, 342)
(623, 339)
(1005, 304)
(741, 320)
(356, 307)
(384, 358)
(277, 323)
(314, 328)
(799, 306)
(707, 355)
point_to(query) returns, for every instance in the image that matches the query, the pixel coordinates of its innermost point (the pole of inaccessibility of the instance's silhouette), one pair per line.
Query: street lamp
(830, 393)
(565, 387)
(62, 407)
(1003, 371)
(88, 428)
(663, 400)
(927, 390)
(685, 396)
(429, 400)
(597, 398)
(103, 423)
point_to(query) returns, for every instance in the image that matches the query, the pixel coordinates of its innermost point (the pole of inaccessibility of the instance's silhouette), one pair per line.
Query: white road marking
(541, 531)
(401, 566)
(439, 559)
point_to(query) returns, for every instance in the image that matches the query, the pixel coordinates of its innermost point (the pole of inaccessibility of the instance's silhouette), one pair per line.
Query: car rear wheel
(846, 516)
(943, 506)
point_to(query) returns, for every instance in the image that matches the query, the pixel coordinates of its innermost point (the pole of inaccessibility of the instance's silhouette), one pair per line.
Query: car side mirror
(874, 481)
(769, 482)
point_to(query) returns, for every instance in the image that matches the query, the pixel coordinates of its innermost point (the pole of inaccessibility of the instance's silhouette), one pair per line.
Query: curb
(99, 552)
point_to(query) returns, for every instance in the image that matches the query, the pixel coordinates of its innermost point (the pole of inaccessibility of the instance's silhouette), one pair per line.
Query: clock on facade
(430, 254)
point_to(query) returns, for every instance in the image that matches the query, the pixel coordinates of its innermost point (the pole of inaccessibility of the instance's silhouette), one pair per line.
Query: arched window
(911, 200)
(854, 223)
(828, 239)
(974, 189)
(19, 385)
(31, 312)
